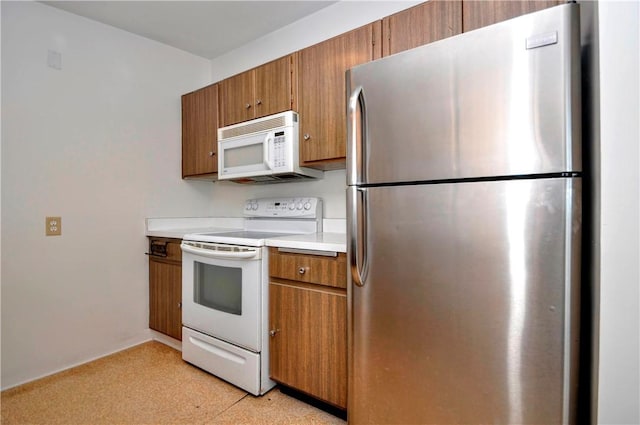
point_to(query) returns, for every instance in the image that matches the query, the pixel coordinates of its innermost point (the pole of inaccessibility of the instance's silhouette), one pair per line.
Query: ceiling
(204, 28)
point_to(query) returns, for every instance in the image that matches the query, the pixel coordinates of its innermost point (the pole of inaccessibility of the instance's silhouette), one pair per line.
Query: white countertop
(325, 241)
(333, 239)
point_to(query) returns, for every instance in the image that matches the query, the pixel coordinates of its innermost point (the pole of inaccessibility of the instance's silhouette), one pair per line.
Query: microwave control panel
(279, 150)
(298, 207)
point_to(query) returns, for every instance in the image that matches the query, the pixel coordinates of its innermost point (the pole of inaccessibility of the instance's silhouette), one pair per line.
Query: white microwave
(264, 150)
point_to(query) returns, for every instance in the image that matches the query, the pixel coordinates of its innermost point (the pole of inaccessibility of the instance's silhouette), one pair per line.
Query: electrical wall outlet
(53, 226)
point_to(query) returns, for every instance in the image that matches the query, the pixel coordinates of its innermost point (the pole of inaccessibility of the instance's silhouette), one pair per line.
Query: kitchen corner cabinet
(165, 286)
(308, 324)
(261, 91)
(421, 24)
(322, 93)
(200, 133)
(480, 13)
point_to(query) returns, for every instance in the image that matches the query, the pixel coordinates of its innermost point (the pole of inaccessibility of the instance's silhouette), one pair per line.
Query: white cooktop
(238, 237)
(269, 218)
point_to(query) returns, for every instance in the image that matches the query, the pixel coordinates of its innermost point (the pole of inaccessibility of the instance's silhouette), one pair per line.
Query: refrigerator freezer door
(468, 311)
(501, 100)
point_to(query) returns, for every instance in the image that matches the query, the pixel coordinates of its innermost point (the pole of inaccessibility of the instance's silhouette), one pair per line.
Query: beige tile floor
(149, 384)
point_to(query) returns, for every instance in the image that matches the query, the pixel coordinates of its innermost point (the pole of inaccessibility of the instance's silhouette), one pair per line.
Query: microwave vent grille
(253, 127)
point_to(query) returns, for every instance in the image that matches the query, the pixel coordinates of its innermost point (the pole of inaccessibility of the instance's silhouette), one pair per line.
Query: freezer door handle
(356, 135)
(357, 212)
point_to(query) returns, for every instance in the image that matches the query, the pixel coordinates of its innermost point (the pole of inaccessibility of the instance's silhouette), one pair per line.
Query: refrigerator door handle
(357, 233)
(356, 121)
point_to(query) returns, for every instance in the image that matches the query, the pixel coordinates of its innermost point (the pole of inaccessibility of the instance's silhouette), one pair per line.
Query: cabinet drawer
(165, 249)
(318, 269)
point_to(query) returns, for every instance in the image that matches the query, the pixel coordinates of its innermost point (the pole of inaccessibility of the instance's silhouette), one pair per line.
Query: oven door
(221, 292)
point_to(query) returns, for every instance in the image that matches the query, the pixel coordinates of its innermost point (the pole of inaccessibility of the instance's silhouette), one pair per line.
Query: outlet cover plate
(53, 226)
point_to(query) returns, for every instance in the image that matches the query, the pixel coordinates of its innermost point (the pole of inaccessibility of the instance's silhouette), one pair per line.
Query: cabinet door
(237, 98)
(480, 13)
(274, 88)
(322, 97)
(309, 349)
(199, 131)
(165, 298)
(421, 24)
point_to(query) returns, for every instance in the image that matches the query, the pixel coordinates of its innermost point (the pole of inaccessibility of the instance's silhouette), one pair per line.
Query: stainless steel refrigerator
(464, 227)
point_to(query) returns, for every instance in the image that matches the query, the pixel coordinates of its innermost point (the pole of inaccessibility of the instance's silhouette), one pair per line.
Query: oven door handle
(219, 254)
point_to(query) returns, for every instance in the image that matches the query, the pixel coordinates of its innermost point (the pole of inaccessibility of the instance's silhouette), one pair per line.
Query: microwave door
(243, 156)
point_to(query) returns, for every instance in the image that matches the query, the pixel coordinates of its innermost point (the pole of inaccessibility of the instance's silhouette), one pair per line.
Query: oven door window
(218, 287)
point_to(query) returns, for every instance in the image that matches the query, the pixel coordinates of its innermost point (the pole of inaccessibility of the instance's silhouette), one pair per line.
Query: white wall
(324, 24)
(98, 143)
(619, 372)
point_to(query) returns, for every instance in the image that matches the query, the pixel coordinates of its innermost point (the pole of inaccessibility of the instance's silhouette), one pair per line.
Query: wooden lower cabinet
(309, 349)
(308, 324)
(165, 292)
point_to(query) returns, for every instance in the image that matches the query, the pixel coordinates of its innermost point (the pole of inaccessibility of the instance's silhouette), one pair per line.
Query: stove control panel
(298, 207)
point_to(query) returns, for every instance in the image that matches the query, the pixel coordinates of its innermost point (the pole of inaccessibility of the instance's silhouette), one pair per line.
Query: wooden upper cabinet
(237, 98)
(199, 132)
(480, 13)
(265, 90)
(421, 24)
(322, 94)
(276, 86)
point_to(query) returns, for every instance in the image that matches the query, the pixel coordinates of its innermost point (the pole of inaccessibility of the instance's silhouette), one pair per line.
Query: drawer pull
(302, 270)
(308, 252)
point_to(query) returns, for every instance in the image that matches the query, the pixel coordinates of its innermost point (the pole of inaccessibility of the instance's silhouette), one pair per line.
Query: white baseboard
(127, 344)
(166, 340)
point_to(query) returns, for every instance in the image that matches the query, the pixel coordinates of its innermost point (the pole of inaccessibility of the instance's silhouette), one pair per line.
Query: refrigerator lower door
(468, 312)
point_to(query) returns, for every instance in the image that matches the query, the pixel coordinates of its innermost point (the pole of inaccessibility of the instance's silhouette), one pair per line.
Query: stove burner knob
(299, 206)
(292, 206)
(307, 205)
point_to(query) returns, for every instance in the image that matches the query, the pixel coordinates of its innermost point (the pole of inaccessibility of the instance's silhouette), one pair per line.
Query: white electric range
(225, 290)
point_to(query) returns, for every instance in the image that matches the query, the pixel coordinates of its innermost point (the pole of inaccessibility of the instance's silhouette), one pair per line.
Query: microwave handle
(268, 141)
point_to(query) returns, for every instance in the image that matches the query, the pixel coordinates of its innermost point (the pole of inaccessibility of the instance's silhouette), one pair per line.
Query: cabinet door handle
(273, 332)
(212, 153)
(258, 102)
(306, 136)
(247, 105)
(179, 305)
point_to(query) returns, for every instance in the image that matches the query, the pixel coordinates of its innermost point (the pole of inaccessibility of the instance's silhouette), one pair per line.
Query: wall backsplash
(228, 197)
